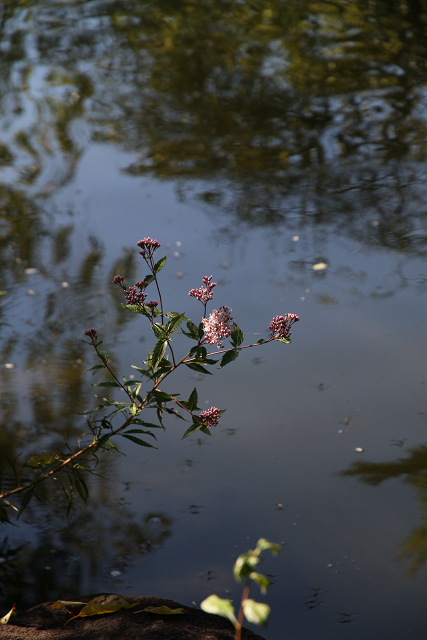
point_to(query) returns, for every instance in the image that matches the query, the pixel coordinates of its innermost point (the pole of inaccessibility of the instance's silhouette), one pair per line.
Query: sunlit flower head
(218, 326)
(204, 294)
(280, 326)
(210, 417)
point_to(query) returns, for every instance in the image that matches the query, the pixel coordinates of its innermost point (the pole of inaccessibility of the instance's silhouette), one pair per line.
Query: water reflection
(413, 470)
(314, 111)
(73, 556)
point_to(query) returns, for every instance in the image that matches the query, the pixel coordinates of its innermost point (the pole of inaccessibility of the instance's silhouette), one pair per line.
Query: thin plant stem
(239, 623)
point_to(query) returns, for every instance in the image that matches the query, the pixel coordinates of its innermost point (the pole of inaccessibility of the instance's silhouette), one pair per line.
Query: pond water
(255, 142)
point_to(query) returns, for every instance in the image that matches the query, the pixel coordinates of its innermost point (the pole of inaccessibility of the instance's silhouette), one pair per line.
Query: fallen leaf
(164, 611)
(69, 605)
(103, 604)
(8, 616)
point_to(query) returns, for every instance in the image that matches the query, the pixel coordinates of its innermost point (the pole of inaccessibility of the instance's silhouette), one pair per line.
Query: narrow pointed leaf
(110, 383)
(158, 353)
(193, 400)
(197, 367)
(142, 443)
(174, 323)
(160, 264)
(140, 431)
(194, 427)
(228, 357)
(96, 368)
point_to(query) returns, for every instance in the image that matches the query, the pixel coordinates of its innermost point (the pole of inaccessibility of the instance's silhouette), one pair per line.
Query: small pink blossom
(210, 417)
(118, 280)
(218, 325)
(92, 334)
(148, 246)
(204, 294)
(281, 326)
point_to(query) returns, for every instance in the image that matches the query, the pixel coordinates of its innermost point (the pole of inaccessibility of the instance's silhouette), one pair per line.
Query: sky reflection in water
(254, 142)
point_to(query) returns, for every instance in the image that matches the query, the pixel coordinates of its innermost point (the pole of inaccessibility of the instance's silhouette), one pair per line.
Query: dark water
(254, 141)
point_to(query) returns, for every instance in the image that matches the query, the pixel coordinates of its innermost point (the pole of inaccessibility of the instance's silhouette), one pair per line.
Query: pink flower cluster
(92, 334)
(218, 325)
(210, 417)
(281, 326)
(134, 295)
(148, 246)
(204, 294)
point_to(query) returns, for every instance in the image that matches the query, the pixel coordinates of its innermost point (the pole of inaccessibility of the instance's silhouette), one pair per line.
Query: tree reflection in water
(413, 470)
(313, 109)
(69, 556)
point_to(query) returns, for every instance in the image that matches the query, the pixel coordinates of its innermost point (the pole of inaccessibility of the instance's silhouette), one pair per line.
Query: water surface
(254, 141)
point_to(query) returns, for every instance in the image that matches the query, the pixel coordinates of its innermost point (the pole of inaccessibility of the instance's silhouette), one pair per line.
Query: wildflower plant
(151, 391)
(244, 573)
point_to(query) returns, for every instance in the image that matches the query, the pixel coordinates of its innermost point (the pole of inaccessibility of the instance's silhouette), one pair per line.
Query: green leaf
(174, 324)
(285, 340)
(150, 278)
(78, 477)
(158, 353)
(194, 427)
(110, 383)
(145, 424)
(262, 581)
(264, 544)
(143, 372)
(174, 314)
(26, 499)
(193, 400)
(160, 264)
(237, 336)
(159, 331)
(193, 331)
(96, 368)
(206, 431)
(160, 395)
(244, 565)
(80, 488)
(135, 308)
(197, 367)
(228, 357)
(4, 516)
(219, 607)
(138, 441)
(140, 431)
(104, 356)
(256, 612)
(39, 462)
(261, 341)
